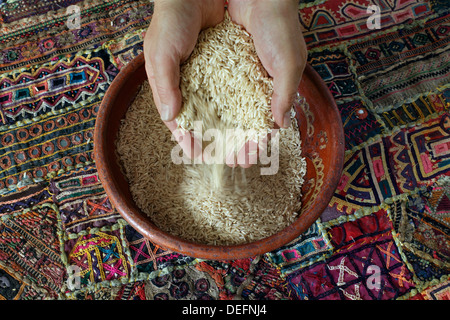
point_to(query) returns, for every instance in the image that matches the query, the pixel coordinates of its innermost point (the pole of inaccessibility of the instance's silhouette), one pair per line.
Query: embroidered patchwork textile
(384, 235)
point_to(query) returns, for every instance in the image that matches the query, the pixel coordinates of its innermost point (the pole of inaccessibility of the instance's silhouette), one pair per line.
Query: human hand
(169, 41)
(280, 46)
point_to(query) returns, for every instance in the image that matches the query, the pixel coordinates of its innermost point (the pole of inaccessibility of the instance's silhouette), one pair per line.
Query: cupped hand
(168, 42)
(279, 43)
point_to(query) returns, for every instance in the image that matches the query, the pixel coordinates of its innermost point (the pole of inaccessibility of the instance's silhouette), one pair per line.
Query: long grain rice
(223, 84)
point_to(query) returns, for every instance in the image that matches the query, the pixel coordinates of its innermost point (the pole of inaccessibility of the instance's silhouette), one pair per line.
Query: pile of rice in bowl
(224, 86)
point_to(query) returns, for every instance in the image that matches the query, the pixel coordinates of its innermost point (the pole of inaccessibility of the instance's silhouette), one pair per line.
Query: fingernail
(230, 160)
(287, 119)
(165, 112)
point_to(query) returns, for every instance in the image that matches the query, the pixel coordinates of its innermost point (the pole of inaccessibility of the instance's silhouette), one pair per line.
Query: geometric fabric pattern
(367, 265)
(333, 66)
(30, 255)
(82, 201)
(148, 257)
(346, 276)
(64, 114)
(393, 165)
(98, 257)
(421, 222)
(425, 62)
(359, 122)
(311, 245)
(438, 292)
(383, 236)
(333, 21)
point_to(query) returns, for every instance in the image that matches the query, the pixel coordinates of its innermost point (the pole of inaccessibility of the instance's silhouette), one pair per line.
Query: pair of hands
(173, 33)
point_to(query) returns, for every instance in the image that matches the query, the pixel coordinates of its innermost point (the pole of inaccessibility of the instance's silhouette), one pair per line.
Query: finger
(190, 145)
(230, 160)
(151, 80)
(163, 71)
(285, 88)
(242, 156)
(252, 154)
(248, 154)
(287, 73)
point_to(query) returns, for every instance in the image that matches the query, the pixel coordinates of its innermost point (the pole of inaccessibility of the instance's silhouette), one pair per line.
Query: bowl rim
(140, 221)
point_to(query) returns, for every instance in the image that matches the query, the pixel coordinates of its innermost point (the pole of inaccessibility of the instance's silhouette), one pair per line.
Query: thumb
(285, 86)
(163, 72)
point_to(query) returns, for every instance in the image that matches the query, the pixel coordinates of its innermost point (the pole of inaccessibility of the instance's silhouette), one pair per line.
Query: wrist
(271, 3)
(253, 13)
(206, 13)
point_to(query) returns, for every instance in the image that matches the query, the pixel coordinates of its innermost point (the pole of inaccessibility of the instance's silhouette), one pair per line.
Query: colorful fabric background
(389, 216)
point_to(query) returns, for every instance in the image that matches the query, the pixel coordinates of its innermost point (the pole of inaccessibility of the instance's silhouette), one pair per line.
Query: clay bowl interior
(322, 145)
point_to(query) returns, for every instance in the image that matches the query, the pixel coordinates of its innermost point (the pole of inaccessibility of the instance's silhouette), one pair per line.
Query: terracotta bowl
(323, 147)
